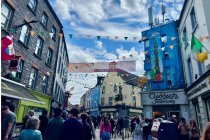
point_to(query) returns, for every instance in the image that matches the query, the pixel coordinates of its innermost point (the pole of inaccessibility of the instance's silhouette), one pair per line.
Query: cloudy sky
(112, 20)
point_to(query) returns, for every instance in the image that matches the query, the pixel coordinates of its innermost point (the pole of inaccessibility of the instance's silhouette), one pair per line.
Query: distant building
(195, 21)
(120, 94)
(95, 97)
(164, 93)
(38, 54)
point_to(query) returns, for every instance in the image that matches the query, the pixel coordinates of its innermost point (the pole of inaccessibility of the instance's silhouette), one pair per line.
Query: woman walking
(137, 130)
(89, 121)
(105, 129)
(31, 132)
(195, 135)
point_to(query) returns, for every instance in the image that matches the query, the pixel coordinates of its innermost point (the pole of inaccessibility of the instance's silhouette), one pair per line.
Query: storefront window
(208, 108)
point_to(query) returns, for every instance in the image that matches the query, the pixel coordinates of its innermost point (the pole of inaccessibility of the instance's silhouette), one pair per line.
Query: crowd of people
(73, 125)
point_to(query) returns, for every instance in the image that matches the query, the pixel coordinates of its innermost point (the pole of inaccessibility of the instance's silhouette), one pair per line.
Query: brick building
(37, 48)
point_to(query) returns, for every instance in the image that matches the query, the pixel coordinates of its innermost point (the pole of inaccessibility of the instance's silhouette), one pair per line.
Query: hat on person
(174, 116)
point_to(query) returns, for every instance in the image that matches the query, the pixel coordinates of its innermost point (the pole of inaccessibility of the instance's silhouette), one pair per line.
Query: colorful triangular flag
(172, 46)
(98, 37)
(70, 35)
(51, 35)
(173, 38)
(41, 33)
(32, 33)
(126, 38)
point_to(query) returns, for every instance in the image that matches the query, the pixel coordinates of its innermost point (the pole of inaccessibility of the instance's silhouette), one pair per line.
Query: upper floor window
(146, 43)
(39, 46)
(6, 15)
(25, 34)
(59, 65)
(54, 33)
(33, 77)
(193, 18)
(115, 88)
(103, 90)
(120, 89)
(185, 39)
(110, 101)
(49, 56)
(44, 19)
(102, 101)
(190, 70)
(32, 4)
(44, 84)
(166, 55)
(18, 73)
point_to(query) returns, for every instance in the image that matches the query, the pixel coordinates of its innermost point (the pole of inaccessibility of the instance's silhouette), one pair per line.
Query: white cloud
(76, 54)
(99, 44)
(111, 56)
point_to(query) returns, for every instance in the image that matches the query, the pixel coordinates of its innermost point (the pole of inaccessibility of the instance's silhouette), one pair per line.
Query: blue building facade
(94, 100)
(163, 63)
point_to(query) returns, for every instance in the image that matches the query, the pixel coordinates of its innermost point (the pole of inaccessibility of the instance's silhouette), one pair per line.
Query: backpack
(137, 129)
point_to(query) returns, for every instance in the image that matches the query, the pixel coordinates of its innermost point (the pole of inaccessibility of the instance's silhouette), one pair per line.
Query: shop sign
(198, 88)
(164, 98)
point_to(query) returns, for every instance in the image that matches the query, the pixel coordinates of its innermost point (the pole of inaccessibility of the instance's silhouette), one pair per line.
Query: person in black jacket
(86, 127)
(43, 122)
(146, 129)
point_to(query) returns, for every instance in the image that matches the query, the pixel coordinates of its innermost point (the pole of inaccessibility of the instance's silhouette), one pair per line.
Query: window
(61, 70)
(59, 65)
(134, 101)
(166, 56)
(24, 36)
(44, 84)
(120, 89)
(33, 77)
(54, 33)
(146, 43)
(39, 46)
(110, 101)
(32, 4)
(190, 70)
(102, 101)
(115, 88)
(49, 56)
(103, 90)
(185, 39)
(193, 18)
(6, 15)
(17, 74)
(44, 19)
(56, 88)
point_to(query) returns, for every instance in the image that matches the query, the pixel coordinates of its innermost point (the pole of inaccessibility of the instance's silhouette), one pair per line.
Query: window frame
(48, 52)
(34, 79)
(18, 73)
(193, 19)
(45, 83)
(26, 36)
(33, 9)
(110, 101)
(8, 20)
(46, 16)
(39, 53)
(54, 33)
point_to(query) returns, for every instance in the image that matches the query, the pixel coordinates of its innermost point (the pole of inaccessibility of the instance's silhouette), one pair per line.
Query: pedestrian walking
(132, 125)
(55, 126)
(30, 132)
(146, 129)
(194, 131)
(184, 129)
(137, 130)
(8, 122)
(93, 132)
(73, 128)
(112, 121)
(43, 122)
(105, 129)
(86, 127)
(126, 127)
(206, 133)
(28, 116)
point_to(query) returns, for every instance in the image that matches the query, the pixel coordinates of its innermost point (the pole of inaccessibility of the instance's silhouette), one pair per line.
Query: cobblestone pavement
(117, 137)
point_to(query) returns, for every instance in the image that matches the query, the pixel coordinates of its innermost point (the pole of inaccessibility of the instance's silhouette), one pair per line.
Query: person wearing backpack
(137, 130)
(105, 129)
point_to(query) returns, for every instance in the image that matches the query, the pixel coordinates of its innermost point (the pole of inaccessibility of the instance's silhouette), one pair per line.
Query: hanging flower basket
(201, 57)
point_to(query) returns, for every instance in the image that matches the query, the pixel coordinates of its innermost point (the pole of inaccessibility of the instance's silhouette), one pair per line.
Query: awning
(16, 90)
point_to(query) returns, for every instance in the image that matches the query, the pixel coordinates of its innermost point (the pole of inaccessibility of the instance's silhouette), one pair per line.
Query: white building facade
(195, 21)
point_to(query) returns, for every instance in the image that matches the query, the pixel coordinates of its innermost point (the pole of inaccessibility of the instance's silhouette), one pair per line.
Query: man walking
(28, 116)
(8, 122)
(73, 128)
(55, 126)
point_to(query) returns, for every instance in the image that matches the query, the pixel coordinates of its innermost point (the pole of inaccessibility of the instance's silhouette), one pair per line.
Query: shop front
(165, 103)
(22, 99)
(199, 99)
